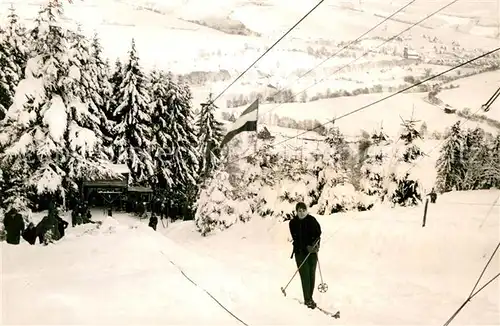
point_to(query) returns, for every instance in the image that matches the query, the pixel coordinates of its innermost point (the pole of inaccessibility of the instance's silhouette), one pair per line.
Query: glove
(312, 249)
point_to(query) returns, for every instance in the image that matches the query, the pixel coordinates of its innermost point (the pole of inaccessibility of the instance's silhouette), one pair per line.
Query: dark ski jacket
(304, 233)
(153, 221)
(30, 234)
(61, 225)
(14, 226)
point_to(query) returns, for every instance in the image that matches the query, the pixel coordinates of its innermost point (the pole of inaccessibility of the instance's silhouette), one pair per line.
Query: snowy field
(482, 86)
(382, 268)
(189, 36)
(389, 113)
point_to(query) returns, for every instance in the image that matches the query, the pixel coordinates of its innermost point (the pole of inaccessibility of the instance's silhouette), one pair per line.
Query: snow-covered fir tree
(404, 189)
(273, 182)
(86, 157)
(216, 208)
(183, 162)
(210, 133)
(475, 160)
(13, 57)
(450, 165)
(373, 165)
(115, 81)
(492, 170)
(42, 133)
(340, 149)
(162, 138)
(16, 37)
(85, 76)
(334, 171)
(103, 92)
(17, 195)
(37, 120)
(133, 133)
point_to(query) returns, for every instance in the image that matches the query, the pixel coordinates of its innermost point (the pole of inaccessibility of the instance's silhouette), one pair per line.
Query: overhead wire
(266, 52)
(473, 294)
(380, 100)
(342, 49)
(491, 209)
(391, 95)
(460, 123)
(363, 55)
(486, 107)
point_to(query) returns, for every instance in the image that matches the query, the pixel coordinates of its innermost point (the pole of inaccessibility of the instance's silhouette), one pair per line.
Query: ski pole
(283, 289)
(322, 287)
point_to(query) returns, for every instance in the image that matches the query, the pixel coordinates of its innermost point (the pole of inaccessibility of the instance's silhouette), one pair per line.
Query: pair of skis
(335, 315)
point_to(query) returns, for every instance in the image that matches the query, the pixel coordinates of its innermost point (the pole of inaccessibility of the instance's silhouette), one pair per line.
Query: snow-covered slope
(381, 267)
(387, 113)
(187, 36)
(473, 92)
(172, 34)
(113, 275)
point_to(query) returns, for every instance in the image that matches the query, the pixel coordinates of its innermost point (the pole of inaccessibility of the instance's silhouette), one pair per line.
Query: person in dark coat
(41, 228)
(87, 217)
(14, 226)
(141, 209)
(30, 234)
(306, 233)
(153, 221)
(75, 218)
(61, 226)
(433, 196)
(48, 225)
(162, 209)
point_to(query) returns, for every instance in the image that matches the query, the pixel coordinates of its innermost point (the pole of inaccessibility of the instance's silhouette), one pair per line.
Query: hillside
(474, 91)
(125, 273)
(387, 114)
(188, 36)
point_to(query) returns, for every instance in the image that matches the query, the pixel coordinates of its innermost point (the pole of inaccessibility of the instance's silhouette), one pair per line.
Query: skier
(306, 232)
(433, 196)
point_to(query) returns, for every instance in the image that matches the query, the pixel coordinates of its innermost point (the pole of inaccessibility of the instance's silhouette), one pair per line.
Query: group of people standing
(51, 228)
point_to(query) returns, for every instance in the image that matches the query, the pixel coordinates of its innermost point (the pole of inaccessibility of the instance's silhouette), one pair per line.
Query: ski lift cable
(486, 107)
(342, 49)
(473, 294)
(382, 100)
(266, 52)
(363, 55)
(461, 122)
(493, 206)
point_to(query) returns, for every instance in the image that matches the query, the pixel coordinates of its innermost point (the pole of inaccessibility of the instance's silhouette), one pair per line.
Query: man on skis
(306, 232)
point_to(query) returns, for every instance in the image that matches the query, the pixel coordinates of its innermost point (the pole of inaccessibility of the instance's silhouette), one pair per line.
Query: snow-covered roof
(119, 168)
